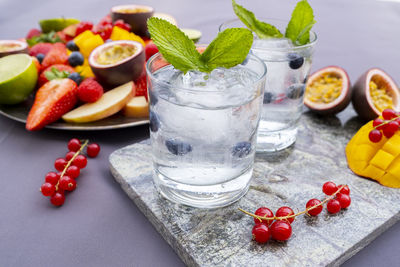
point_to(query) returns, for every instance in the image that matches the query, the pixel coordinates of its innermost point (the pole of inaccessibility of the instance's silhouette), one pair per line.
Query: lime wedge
(194, 35)
(18, 77)
(56, 24)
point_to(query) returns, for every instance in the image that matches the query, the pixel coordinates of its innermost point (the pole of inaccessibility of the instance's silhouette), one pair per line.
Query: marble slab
(222, 237)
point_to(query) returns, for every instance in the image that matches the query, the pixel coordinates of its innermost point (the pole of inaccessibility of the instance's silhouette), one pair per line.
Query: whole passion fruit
(118, 62)
(134, 15)
(375, 91)
(9, 47)
(328, 91)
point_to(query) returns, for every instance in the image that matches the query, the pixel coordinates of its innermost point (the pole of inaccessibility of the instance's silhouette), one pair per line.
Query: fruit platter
(77, 75)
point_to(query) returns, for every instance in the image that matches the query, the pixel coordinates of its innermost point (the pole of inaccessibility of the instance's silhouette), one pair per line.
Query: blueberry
(154, 122)
(76, 77)
(75, 59)
(40, 57)
(153, 98)
(177, 147)
(72, 46)
(241, 149)
(296, 61)
(268, 97)
(295, 91)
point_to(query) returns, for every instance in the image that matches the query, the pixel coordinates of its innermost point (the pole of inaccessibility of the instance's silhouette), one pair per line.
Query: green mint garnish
(229, 49)
(56, 74)
(298, 29)
(50, 37)
(262, 29)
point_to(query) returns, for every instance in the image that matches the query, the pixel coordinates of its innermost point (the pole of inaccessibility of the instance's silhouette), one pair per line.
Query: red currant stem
(71, 160)
(386, 122)
(294, 215)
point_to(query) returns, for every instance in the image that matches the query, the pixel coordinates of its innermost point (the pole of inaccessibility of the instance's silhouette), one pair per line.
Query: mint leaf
(56, 74)
(229, 48)
(298, 29)
(174, 45)
(51, 37)
(262, 29)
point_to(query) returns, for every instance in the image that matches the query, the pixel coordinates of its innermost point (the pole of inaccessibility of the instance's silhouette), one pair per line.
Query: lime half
(193, 34)
(18, 77)
(56, 24)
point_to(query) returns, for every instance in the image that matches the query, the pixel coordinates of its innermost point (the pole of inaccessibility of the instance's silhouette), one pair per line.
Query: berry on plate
(33, 33)
(57, 55)
(76, 59)
(90, 90)
(150, 50)
(43, 77)
(40, 48)
(52, 100)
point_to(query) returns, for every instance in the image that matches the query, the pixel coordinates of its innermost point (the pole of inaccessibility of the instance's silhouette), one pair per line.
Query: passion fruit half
(134, 15)
(9, 47)
(375, 91)
(328, 91)
(118, 62)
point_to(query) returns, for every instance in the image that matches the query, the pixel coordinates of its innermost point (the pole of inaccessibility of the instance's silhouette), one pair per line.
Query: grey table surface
(99, 225)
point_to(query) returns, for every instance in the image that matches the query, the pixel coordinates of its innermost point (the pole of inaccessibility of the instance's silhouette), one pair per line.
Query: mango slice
(378, 161)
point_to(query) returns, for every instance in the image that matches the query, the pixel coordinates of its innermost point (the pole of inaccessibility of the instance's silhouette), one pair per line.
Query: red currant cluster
(388, 126)
(278, 226)
(69, 169)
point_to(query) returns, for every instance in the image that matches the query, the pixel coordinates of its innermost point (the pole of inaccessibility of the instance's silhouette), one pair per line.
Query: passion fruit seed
(380, 95)
(324, 89)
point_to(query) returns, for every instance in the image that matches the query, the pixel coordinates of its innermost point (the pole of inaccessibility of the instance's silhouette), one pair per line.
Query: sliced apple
(137, 107)
(109, 104)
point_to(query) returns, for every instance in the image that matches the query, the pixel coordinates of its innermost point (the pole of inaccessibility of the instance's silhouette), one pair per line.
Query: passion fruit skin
(333, 108)
(121, 72)
(360, 100)
(21, 50)
(137, 21)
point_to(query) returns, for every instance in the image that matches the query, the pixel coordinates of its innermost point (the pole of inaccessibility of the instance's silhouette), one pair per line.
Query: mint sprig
(51, 37)
(228, 49)
(298, 29)
(56, 74)
(262, 29)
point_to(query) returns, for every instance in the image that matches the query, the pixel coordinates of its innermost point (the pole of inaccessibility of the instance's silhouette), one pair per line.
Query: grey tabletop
(99, 225)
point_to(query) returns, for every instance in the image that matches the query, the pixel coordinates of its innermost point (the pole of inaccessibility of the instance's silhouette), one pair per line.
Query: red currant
(378, 122)
(375, 136)
(388, 133)
(120, 23)
(69, 155)
(392, 126)
(285, 211)
(150, 50)
(264, 212)
(83, 26)
(74, 144)
(67, 183)
(388, 114)
(80, 161)
(73, 171)
(93, 150)
(281, 230)
(48, 189)
(59, 164)
(333, 206)
(52, 178)
(311, 203)
(329, 188)
(57, 199)
(261, 233)
(345, 189)
(344, 200)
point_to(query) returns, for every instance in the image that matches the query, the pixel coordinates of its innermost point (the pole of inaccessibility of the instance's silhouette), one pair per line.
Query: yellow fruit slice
(81, 38)
(109, 104)
(379, 161)
(137, 107)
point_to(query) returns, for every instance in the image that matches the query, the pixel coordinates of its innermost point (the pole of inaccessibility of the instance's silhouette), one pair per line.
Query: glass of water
(288, 68)
(203, 130)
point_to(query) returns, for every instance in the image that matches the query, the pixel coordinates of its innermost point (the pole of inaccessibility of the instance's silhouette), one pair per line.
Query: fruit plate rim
(19, 113)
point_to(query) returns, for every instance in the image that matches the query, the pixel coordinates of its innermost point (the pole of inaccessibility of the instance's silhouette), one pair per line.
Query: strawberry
(37, 63)
(40, 48)
(57, 55)
(141, 86)
(33, 33)
(42, 77)
(90, 90)
(52, 100)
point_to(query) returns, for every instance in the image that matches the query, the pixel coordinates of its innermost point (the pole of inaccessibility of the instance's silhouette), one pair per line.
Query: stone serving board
(222, 237)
